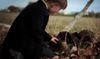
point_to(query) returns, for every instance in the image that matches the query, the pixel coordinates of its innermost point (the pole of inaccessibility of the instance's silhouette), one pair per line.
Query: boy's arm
(47, 37)
(33, 23)
(50, 38)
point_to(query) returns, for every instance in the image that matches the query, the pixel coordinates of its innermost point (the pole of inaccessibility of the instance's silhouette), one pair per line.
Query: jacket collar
(45, 4)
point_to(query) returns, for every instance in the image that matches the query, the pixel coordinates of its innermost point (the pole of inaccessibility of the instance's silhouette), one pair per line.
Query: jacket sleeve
(33, 23)
(47, 37)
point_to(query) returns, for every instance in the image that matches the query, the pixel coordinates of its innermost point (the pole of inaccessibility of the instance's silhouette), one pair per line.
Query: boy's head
(55, 5)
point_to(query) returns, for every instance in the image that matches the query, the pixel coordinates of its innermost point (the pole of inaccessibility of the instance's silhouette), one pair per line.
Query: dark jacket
(28, 29)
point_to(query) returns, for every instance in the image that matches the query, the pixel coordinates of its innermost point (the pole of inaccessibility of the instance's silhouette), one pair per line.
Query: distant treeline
(88, 14)
(11, 9)
(19, 9)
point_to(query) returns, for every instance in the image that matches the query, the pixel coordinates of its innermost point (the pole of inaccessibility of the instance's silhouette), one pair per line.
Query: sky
(73, 5)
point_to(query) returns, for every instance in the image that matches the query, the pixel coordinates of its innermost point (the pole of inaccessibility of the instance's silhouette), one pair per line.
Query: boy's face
(54, 8)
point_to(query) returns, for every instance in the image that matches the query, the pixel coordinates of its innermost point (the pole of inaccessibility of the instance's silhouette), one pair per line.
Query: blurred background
(9, 9)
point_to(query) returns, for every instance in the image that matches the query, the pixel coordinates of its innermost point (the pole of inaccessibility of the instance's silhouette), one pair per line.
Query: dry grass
(57, 23)
(7, 17)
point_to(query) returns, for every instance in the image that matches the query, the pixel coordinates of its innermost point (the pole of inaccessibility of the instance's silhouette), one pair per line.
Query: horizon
(73, 6)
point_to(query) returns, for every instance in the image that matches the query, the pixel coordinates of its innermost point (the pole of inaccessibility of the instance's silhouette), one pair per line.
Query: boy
(27, 34)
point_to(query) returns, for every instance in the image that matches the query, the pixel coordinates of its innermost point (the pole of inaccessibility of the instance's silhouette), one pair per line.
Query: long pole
(77, 17)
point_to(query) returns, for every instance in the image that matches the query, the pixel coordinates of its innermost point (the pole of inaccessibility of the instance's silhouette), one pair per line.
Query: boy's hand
(54, 39)
(56, 57)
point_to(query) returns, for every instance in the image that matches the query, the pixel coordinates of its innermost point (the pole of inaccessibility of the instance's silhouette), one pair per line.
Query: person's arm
(33, 24)
(50, 38)
(37, 30)
(47, 36)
